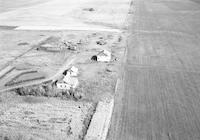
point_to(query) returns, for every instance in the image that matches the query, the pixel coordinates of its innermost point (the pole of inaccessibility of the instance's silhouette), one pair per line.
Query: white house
(73, 71)
(72, 81)
(104, 56)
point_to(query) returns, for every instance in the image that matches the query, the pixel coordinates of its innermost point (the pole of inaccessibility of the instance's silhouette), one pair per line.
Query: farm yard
(29, 79)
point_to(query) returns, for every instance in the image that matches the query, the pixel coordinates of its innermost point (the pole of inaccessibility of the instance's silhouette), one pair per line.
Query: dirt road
(160, 94)
(10, 5)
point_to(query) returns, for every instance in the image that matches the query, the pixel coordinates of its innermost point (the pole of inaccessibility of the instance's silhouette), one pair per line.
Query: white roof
(104, 52)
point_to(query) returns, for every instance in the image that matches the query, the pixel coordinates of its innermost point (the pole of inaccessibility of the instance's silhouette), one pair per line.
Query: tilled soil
(52, 119)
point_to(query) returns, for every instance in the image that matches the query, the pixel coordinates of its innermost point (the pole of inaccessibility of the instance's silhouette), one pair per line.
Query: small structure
(102, 56)
(73, 71)
(67, 83)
